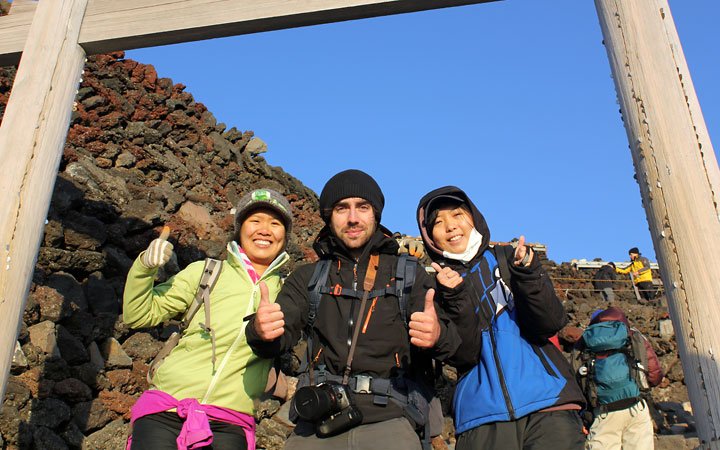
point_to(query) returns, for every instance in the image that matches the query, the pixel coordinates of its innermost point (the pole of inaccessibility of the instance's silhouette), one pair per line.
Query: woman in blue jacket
(516, 389)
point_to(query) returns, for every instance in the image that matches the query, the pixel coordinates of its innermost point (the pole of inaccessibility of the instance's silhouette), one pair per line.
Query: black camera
(328, 405)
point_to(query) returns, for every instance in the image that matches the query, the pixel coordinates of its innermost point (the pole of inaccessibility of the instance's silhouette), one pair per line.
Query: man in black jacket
(358, 343)
(603, 281)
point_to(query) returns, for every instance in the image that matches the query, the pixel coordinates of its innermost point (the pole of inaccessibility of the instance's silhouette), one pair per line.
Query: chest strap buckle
(362, 384)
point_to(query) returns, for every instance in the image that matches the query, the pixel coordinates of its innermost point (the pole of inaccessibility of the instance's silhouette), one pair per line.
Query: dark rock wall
(142, 153)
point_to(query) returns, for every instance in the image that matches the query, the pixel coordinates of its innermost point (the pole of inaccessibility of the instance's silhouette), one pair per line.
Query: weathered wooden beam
(32, 137)
(677, 171)
(14, 30)
(23, 6)
(111, 25)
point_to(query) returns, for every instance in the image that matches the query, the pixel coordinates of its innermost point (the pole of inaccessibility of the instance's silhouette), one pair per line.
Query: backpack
(210, 275)
(612, 368)
(404, 280)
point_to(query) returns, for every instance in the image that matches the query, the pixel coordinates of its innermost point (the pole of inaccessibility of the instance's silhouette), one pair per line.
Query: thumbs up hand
(159, 251)
(424, 326)
(269, 323)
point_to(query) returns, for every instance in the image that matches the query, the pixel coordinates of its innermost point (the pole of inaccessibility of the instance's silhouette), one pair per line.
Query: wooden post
(32, 137)
(678, 175)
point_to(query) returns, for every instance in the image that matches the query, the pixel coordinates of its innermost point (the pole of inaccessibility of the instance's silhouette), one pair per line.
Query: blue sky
(511, 101)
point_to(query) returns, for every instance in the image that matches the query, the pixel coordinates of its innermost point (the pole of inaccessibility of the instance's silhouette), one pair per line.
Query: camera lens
(313, 402)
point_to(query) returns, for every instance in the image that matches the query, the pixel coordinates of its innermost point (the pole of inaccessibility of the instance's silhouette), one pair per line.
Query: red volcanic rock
(570, 334)
(118, 403)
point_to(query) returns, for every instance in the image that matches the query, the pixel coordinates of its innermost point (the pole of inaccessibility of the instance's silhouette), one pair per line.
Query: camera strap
(367, 287)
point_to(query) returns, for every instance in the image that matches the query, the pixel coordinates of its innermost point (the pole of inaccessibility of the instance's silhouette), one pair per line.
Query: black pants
(555, 430)
(646, 289)
(160, 431)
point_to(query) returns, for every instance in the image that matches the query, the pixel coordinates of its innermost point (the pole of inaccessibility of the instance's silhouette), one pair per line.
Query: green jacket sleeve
(147, 305)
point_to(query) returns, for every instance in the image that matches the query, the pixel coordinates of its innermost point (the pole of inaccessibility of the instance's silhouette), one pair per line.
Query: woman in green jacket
(202, 394)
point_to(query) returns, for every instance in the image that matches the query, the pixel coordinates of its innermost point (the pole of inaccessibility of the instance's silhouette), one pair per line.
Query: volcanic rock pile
(142, 153)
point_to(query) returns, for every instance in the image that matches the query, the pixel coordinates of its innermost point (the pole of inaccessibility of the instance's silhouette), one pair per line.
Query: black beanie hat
(634, 250)
(351, 183)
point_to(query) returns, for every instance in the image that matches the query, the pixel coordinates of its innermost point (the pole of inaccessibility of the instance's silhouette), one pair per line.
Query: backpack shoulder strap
(502, 254)
(585, 375)
(210, 275)
(404, 280)
(317, 281)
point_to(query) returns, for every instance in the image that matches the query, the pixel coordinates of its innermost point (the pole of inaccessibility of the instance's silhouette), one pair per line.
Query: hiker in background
(210, 378)
(603, 281)
(616, 367)
(372, 327)
(641, 272)
(515, 388)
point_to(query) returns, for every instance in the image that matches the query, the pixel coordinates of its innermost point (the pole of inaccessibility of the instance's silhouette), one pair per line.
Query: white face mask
(473, 245)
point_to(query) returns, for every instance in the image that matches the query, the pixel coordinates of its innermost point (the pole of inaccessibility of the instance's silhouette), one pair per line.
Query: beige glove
(158, 252)
(412, 247)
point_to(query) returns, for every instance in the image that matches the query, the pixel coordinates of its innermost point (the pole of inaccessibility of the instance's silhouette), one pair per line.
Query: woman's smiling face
(262, 236)
(451, 229)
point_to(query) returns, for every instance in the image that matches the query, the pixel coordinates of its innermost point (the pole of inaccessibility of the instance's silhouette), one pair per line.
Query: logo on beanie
(262, 195)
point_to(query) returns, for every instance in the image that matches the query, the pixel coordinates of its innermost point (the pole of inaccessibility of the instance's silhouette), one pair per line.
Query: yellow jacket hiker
(643, 270)
(642, 274)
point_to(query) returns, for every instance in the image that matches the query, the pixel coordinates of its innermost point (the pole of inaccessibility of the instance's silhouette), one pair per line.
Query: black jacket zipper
(351, 318)
(506, 394)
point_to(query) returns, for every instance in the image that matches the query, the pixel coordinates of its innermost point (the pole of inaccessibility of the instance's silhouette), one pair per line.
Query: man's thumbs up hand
(424, 326)
(269, 319)
(159, 251)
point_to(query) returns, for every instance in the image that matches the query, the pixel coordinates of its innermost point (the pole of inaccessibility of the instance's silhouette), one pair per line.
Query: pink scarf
(249, 266)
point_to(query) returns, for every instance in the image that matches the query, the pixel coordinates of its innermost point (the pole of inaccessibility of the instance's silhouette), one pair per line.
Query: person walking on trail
(617, 366)
(642, 274)
(603, 281)
(202, 393)
(371, 335)
(516, 389)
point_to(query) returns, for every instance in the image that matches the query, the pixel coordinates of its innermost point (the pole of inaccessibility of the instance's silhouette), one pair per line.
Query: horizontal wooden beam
(14, 29)
(111, 25)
